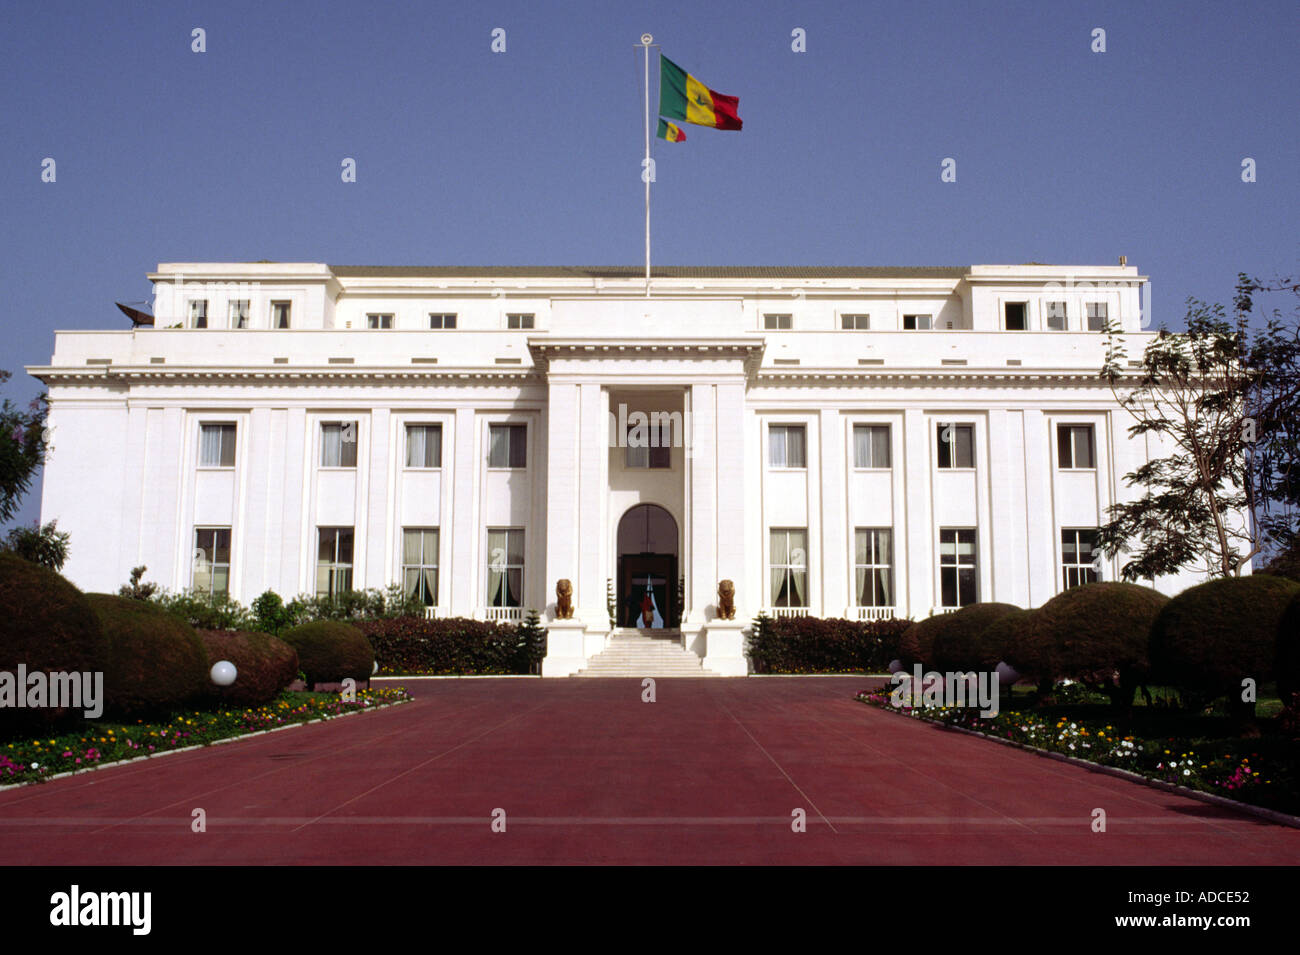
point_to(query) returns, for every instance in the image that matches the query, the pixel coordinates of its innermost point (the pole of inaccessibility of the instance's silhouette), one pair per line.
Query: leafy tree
(136, 590)
(47, 546)
(22, 449)
(532, 643)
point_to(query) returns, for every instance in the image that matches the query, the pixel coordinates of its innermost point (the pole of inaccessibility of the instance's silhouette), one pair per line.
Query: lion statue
(563, 599)
(726, 600)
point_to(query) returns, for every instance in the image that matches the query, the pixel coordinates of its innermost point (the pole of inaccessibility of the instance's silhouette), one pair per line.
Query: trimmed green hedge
(452, 645)
(264, 665)
(330, 651)
(824, 645)
(46, 624)
(1022, 647)
(958, 643)
(155, 661)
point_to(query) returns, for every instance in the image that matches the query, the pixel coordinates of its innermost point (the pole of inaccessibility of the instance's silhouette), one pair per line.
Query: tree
(47, 546)
(1195, 392)
(22, 449)
(135, 589)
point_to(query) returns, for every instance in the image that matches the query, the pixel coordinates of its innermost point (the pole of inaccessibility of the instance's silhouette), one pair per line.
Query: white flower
(1187, 772)
(36, 765)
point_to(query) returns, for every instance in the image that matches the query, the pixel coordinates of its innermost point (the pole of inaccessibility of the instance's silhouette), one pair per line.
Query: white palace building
(859, 442)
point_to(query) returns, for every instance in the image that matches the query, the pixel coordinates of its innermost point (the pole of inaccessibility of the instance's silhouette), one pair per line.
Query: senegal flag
(682, 96)
(671, 132)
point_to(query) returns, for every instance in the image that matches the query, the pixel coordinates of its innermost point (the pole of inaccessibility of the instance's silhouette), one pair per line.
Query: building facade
(858, 442)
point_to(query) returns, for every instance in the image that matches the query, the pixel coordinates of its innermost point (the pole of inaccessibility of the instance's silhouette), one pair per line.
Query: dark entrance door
(647, 549)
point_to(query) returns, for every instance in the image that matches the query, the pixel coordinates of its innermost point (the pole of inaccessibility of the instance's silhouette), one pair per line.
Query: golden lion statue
(563, 599)
(726, 600)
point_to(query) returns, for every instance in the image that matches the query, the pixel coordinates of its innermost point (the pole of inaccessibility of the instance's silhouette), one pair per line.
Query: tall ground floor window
(505, 567)
(333, 561)
(212, 560)
(420, 564)
(873, 566)
(958, 569)
(1078, 551)
(789, 566)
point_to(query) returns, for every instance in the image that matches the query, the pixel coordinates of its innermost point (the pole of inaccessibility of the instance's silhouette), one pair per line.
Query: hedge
(409, 646)
(824, 645)
(264, 665)
(155, 661)
(1021, 646)
(958, 644)
(331, 651)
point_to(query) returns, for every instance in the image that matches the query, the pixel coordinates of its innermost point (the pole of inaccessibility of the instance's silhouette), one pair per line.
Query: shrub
(155, 662)
(264, 666)
(1099, 634)
(47, 624)
(330, 651)
(958, 644)
(917, 643)
(1212, 636)
(47, 546)
(823, 644)
(1287, 656)
(1020, 644)
(414, 645)
(135, 589)
(206, 611)
(271, 614)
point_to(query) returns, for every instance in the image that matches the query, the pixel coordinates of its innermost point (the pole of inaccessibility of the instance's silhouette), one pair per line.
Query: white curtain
(210, 445)
(331, 448)
(498, 448)
(415, 447)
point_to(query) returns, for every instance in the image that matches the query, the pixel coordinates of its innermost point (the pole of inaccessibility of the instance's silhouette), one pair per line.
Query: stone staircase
(642, 653)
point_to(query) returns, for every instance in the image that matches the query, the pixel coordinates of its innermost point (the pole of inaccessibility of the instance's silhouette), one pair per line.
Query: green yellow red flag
(671, 132)
(682, 96)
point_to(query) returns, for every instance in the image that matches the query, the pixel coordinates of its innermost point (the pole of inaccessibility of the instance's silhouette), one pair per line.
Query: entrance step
(642, 653)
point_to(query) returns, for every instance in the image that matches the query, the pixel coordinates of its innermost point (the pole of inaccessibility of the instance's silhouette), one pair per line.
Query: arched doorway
(647, 560)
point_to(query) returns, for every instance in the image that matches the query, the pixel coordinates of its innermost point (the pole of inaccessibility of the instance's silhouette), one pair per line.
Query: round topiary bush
(330, 651)
(1287, 656)
(959, 645)
(264, 665)
(46, 625)
(156, 661)
(1020, 644)
(1214, 635)
(1099, 634)
(916, 645)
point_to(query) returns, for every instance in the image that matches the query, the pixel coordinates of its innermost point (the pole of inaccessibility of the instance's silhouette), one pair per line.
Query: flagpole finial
(646, 39)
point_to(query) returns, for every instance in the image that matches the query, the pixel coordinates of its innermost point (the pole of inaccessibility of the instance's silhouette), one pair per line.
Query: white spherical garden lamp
(223, 673)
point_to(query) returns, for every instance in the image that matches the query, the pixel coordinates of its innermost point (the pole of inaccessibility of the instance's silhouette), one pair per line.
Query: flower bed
(100, 742)
(1263, 771)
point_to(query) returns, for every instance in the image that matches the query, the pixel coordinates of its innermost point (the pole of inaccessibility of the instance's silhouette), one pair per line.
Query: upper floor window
(217, 445)
(648, 447)
(1078, 557)
(338, 444)
(1097, 315)
(239, 313)
(379, 321)
(778, 322)
(956, 445)
(1075, 447)
(788, 565)
(280, 314)
(519, 320)
(916, 323)
(442, 320)
(871, 446)
(1013, 314)
(198, 313)
(424, 445)
(211, 560)
(1056, 316)
(507, 446)
(855, 323)
(786, 446)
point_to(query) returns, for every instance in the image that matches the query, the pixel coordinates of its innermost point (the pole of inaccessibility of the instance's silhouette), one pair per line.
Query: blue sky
(532, 156)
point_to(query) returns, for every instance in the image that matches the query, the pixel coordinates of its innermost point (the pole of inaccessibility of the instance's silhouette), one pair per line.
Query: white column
(297, 531)
(465, 470)
(254, 533)
(1039, 510)
(376, 501)
(702, 537)
(836, 535)
(1005, 533)
(564, 433)
(591, 567)
(920, 568)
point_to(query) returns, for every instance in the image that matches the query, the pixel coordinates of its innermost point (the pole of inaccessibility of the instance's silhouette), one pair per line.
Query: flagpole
(646, 40)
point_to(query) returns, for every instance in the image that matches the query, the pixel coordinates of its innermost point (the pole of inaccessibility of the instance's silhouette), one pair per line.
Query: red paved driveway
(586, 772)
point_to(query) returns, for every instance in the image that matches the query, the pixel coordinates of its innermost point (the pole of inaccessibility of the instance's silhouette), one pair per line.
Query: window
(1056, 316)
(216, 445)
(338, 444)
(333, 561)
(778, 322)
(442, 320)
(956, 445)
(379, 321)
(505, 567)
(420, 564)
(785, 446)
(1097, 314)
(957, 579)
(507, 446)
(519, 321)
(280, 314)
(198, 313)
(789, 567)
(424, 445)
(212, 560)
(855, 323)
(871, 445)
(1078, 552)
(1013, 316)
(239, 313)
(649, 446)
(916, 323)
(1074, 447)
(873, 566)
